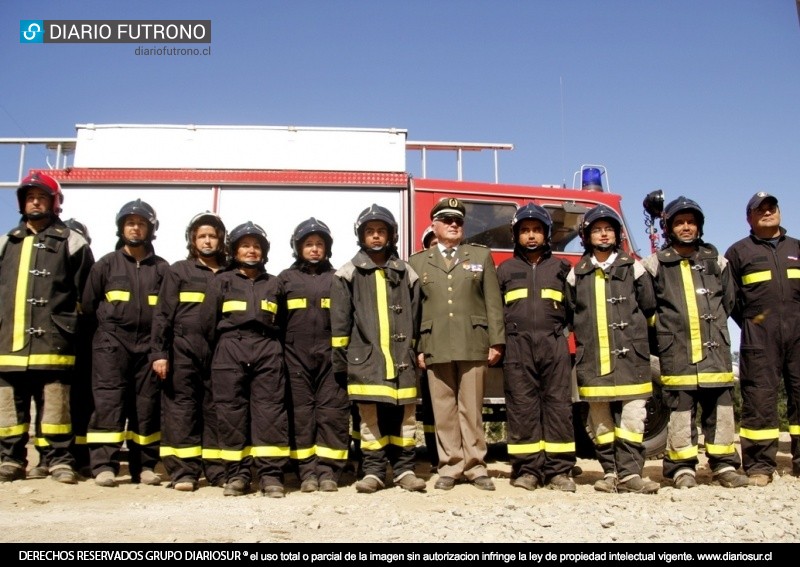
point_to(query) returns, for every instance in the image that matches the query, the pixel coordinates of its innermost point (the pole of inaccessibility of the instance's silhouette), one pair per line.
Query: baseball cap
(448, 207)
(756, 200)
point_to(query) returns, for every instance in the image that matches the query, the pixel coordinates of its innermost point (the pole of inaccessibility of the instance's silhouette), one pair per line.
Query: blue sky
(695, 98)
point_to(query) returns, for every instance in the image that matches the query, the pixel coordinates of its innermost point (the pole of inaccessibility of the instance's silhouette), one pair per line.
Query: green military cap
(448, 207)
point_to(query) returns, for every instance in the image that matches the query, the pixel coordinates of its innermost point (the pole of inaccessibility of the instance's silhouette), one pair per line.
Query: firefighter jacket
(122, 294)
(235, 302)
(542, 287)
(767, 280)
(694, 297)
(305, 309)
(610, 309)
(462, 310)
(373, 317)
(178, 312)
(41, 279)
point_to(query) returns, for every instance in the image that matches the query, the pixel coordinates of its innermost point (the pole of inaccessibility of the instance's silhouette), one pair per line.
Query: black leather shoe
(484, 483)
(444, 483)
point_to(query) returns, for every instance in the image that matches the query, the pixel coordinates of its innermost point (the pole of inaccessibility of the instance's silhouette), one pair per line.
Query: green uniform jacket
(462, 309)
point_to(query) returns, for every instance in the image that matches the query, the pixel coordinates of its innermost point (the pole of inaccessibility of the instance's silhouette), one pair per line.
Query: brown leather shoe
(759, 479)
(484, 483)
(444, 483)
(562, 482)
(526, 481)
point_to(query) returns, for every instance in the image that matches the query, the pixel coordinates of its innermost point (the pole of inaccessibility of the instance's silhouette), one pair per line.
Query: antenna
(563, 136)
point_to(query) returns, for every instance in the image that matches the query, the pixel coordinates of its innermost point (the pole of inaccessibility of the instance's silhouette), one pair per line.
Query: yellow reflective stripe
(559, 447)
(756, 277)
(21, 293)
(181, 452)
(375, 445)
(515, 294)
(428, 428)
(760, 434)
(383, 323)
(234, 454)
(695, 339)
(105, 437)
(631, 436)
(720, 450)
(14, 430)
(602, 321)
(525, 448)
(299, 303)
(604, 439)
(354, 434)
(233, 305)
(794, 430)
(118, 295)
(270, 451)
(80, 439)
(37, 360)
(687, 453)
(793, 273)
(269, 306)
(209, 454)
(652, 320)
(40, 442)
(191, 297)
(56, 428)
(701, 378)
(332, 454)
(152, 300)
(300, 454)
(553, 294)
(384, 391)
(325, 303)
(143, 439)
(405, 442)
(615, 391)
(340, 342)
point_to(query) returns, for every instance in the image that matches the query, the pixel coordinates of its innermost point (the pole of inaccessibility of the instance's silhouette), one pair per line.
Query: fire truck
(277, 176)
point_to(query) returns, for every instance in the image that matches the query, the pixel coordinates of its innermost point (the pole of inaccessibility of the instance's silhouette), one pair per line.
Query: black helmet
(210, 219)
(679, 205)
(138, 207)
(79, 227)
(249, 229)
(311, 226)
(376, 213)
(532, 211)
(600, 212)
(44, 182)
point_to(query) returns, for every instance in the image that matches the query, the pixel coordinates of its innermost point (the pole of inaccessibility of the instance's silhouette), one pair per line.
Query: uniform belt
(249, 332)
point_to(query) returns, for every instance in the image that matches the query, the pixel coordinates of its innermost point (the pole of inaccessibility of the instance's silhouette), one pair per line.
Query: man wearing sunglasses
(461, 334)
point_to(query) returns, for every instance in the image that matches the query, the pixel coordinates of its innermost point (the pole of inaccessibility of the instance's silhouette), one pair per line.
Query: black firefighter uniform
(610, 308)
(41, 278)
(694, 296)
(767, 308)
(373, 317)
(122, 294)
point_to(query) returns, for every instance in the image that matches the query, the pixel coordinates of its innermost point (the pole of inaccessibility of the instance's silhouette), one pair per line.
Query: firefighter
(320, 408)
(373, 314)
(180, 357)
(239, 317)
(694, 295)
(537, 366)
(43, 269)
(610, 299)
(765, 267)
(121, 295)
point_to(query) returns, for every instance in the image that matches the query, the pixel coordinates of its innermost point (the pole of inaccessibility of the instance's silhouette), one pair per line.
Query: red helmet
(42, 181)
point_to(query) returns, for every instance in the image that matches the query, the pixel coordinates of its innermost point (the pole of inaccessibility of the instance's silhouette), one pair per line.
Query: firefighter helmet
(210, 219)
(680, 205)
(138, 207)
(249, 229)
(311, 226)
(600, 212)
(427, 236)
(80, 228)
(44, 182)
(376, 213)
(532, 211)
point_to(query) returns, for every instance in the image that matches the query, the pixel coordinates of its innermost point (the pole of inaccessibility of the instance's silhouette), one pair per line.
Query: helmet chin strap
(39, 215)
(208, 253)
(604, 247)
(133, 243)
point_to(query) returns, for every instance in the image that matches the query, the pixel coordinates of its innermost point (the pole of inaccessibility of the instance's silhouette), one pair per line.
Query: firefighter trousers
(388, 437)
(617, 428)
(49, 391)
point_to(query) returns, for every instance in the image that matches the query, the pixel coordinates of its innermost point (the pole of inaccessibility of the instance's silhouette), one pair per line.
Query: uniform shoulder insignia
(476, 245)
